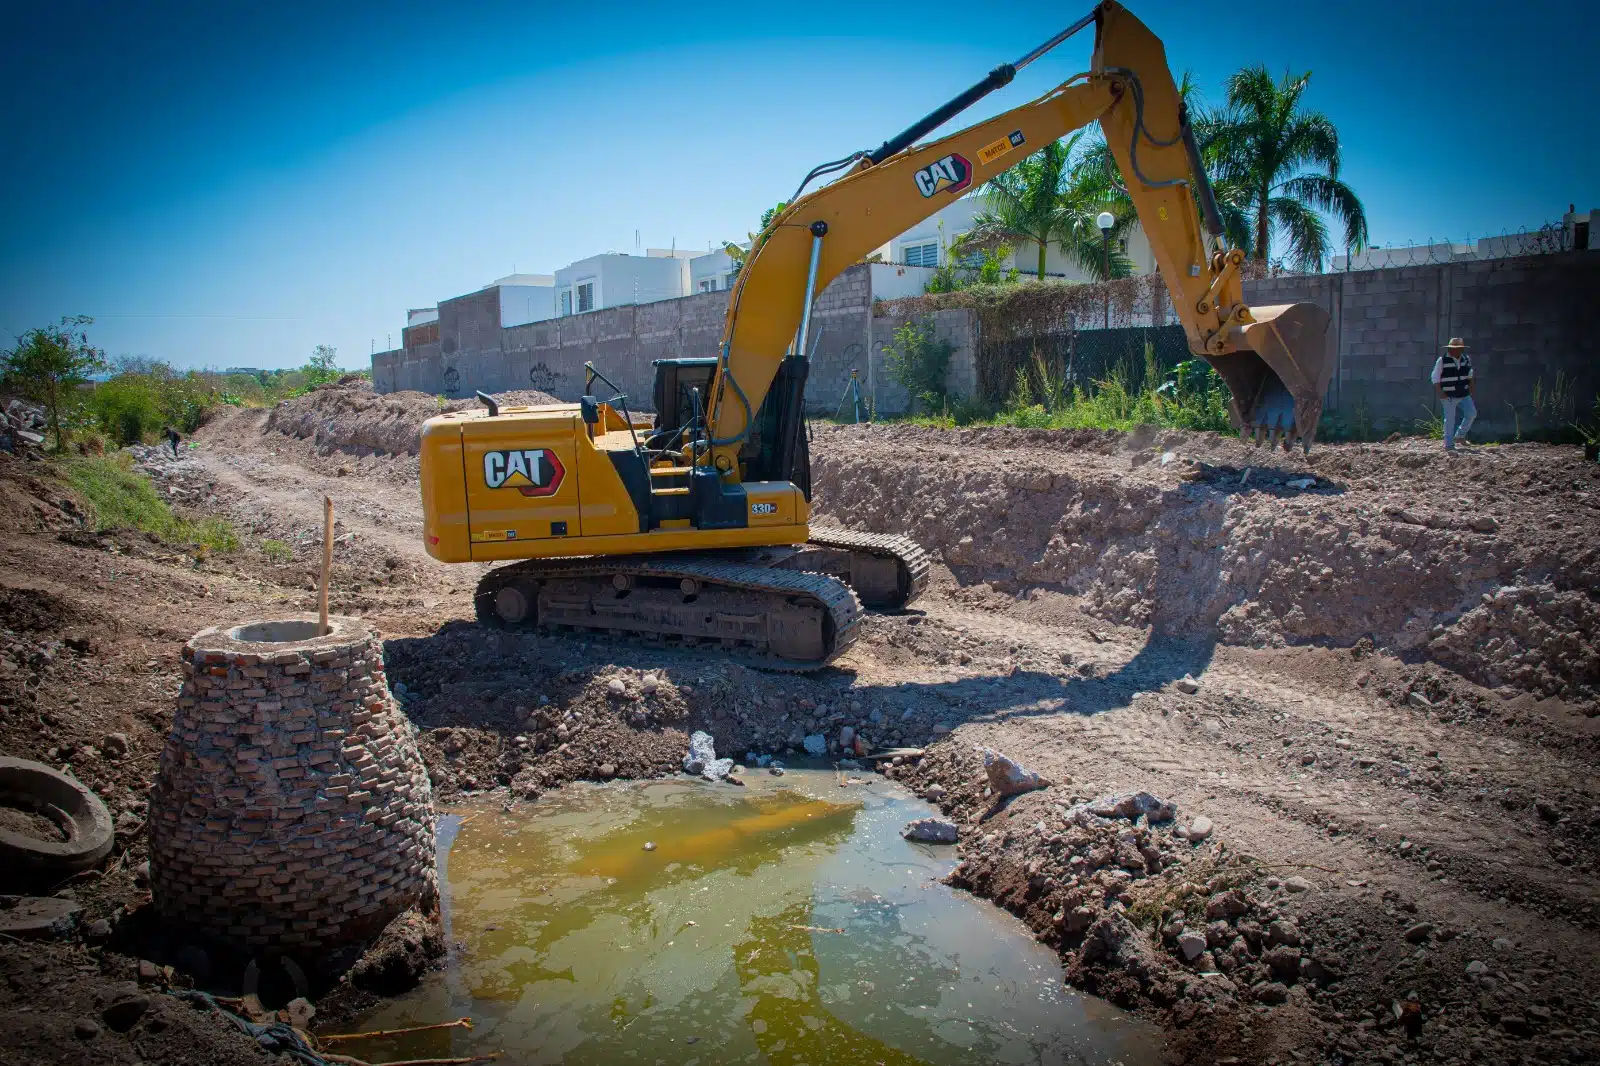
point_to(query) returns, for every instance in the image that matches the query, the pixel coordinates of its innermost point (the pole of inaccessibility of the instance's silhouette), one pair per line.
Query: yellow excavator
(692, 527)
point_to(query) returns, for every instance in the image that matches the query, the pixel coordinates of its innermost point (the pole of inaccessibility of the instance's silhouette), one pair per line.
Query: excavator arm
(1272, 358)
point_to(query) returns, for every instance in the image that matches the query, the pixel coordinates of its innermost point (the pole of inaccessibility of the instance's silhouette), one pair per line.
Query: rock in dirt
(702, 753)
(717, 769)
(1007, 777)
(1187, 685)
(1271, 993)
(1297, 884)
(1419, 932)
(1199, 828)
(935, 793)
(37, 916)
(816, 745)
(85, 1029)
(1191, 944)
(931, 831)
(300, 1012)
(125, 1013)
(1131, 805)
(1283, 932)
(116, 745)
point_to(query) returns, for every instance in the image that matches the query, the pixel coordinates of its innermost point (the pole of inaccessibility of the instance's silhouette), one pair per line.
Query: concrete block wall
(1528, 319)
(621, 342)
(841, 338)
(957, 327)
(291, 809)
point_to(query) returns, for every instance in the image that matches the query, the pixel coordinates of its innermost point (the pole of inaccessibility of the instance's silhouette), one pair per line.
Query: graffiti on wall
(541, 377)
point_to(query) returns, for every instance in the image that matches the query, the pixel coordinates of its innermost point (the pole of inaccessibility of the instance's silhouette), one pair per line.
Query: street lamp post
(1105, 221)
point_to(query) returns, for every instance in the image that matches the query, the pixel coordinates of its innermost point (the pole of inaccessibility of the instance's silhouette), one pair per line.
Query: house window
(728, 280)
(970, 260)
(921, 255)
(708, 284)
(585, 296)
(566, 301)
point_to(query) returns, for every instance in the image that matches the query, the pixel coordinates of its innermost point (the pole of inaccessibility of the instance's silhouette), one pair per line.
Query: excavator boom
(1272, 358)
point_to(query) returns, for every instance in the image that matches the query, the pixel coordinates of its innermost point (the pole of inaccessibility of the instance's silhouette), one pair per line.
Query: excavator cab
(681, 388)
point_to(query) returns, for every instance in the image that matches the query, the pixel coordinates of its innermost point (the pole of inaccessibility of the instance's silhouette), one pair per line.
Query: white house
(616, 280)
(525, 298)
(711, 272)
(928, 243)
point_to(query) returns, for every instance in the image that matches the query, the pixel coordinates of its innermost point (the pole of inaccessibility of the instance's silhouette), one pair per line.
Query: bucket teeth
(1278, 371)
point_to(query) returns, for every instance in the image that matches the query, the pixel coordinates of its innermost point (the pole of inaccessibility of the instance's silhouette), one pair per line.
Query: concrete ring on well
(67, 802)
(281, 634)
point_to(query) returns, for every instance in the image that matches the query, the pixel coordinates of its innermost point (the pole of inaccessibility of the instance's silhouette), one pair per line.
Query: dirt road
(1389, 735)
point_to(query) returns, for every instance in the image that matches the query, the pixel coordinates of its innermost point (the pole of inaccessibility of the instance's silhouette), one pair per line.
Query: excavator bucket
(1280, 373)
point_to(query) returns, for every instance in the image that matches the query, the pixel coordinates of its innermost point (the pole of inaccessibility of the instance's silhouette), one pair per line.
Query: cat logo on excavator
(531, 471)
(950, 174)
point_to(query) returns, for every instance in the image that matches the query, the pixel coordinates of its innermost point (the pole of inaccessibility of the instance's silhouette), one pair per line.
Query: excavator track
(768, 617)
(886, 571)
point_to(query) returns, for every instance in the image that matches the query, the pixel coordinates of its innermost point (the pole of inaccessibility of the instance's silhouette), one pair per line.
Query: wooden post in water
(327, 561)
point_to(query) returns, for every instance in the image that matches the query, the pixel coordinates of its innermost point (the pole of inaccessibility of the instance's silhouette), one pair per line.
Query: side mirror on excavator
(590, 407)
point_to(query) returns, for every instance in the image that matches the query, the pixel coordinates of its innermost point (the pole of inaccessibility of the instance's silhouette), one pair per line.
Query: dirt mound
(33, 610)
(351, 417)
(1486, 560)
(33, 498)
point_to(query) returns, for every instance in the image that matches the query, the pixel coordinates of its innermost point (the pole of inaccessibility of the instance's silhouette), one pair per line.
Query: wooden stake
(459, 1023)
(327, 560)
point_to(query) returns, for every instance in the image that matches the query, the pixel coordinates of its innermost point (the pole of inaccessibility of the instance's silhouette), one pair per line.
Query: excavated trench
(1483, 563)
(1202, 538)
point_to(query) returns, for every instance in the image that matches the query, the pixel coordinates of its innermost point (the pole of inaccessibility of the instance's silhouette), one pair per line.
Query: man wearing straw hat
(1454, 383)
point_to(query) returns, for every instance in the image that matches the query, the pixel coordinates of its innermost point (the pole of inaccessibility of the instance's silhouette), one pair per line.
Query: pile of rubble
(1144, 905)
(22, 428)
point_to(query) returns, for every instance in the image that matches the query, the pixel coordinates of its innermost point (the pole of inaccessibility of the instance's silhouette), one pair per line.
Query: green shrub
(122, 498)
(276, 551)
(1433, 425)
(918, 361)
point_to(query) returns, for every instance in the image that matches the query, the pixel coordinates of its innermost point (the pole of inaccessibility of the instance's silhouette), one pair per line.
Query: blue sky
(229, 184)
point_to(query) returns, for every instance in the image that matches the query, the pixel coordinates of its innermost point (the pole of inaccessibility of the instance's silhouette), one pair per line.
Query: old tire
(69, 802)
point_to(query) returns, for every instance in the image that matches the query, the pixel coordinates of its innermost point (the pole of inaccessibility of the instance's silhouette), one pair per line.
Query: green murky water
(785, 923)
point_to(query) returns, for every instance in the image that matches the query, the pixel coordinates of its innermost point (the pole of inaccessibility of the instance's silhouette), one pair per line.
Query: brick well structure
(291, 809)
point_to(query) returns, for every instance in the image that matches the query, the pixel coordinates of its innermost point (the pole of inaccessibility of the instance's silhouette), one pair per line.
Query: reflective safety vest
(1454, 375)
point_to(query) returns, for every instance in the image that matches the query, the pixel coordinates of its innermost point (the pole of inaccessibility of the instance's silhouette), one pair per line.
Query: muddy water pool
(785, 922)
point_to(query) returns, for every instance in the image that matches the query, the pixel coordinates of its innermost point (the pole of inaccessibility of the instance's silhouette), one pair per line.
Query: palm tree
(1275, 167)
(1053, 197)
